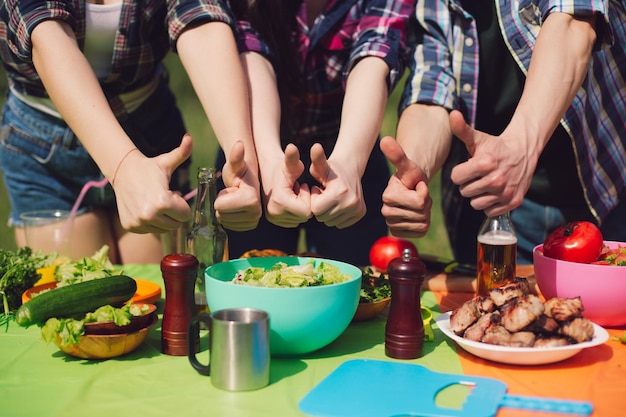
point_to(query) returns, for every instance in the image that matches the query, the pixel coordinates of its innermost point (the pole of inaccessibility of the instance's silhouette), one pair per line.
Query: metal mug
(239, 348)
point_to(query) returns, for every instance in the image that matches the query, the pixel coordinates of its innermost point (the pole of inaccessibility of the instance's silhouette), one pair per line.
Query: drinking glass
(48, 231)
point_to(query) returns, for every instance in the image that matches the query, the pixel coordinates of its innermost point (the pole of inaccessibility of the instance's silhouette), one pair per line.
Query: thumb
(462, 130)
(293, 166)
(319, 164)
(409, 173)
(172, 159)
(236, 158)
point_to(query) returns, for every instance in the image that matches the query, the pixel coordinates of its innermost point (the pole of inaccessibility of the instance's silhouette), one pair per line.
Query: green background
(435, 242)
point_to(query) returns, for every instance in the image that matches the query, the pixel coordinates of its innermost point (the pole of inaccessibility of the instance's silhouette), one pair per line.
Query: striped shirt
(345, 31)
(445, 72)
(147, 31)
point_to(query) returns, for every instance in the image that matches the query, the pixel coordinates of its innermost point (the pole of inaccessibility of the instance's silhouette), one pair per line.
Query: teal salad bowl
(302, 319)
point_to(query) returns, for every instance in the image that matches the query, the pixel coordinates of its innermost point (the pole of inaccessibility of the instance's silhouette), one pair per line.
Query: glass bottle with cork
(207, 240)
(497, 253)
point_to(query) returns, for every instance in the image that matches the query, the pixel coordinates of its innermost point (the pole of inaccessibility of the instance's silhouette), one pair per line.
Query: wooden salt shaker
(404, 331)
(179, 275)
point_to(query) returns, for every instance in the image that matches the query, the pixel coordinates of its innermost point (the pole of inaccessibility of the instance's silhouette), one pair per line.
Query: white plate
(520, 355)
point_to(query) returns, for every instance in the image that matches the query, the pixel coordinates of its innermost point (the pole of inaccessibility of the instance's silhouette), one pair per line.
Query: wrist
(119, 165)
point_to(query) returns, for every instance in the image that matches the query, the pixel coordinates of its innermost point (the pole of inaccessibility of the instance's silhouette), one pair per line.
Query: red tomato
(577, 241)
(387, 248)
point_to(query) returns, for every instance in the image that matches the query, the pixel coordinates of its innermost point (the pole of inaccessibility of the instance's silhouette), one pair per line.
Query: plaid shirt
(346, 31)
(445, 72)
(147, 31)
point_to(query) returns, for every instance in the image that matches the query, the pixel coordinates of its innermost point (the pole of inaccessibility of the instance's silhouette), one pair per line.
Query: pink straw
(68, 223)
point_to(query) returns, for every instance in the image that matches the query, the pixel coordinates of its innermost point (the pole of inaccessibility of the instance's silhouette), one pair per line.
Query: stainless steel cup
(239, 348)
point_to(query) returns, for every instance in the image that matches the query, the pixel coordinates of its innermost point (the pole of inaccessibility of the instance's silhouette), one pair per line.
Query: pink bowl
(602, 288)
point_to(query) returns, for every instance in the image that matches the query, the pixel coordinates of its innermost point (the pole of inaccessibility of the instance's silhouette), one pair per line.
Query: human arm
(287, 202)
(499, 173)
(423, 136)
(422, 143)
(210, 57)
(145, 202)
(339, 201)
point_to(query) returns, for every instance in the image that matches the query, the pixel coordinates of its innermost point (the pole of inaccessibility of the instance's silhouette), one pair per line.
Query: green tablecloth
(37, 379)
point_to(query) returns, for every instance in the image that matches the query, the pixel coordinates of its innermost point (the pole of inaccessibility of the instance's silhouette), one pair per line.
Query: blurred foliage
(205, 148)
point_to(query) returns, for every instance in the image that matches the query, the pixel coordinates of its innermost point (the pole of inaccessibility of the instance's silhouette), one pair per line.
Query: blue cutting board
(373, 388)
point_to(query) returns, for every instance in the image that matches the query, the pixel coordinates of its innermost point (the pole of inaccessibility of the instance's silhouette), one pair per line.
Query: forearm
(558, 67)
(211, 59)
(76, 92)
(266, 111)
(362, 113)
(425, 136)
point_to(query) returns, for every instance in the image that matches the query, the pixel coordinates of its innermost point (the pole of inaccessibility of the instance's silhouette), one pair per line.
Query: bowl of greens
(310, 301)
(375, 295)
(104, 333)
(105, 346)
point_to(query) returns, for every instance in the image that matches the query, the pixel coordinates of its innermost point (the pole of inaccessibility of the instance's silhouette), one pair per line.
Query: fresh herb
(621, 338)
(18, 272)
(374, 287)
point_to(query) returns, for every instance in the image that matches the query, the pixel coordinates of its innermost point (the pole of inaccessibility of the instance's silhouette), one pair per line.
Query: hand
(499, 171)
(238, 206)
(339, 202)
(288, 203)
(406, 201)
(144, 201)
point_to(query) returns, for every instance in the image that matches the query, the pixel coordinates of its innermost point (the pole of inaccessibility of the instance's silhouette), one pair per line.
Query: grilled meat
(496, 335)
(512, 316)
(552, 341)
(484, 304)
(516, 288)
(464, 316)
(476, 331)
(580, 330)
(543, 325)
(564, 309)
(522, 339)
(519, 312)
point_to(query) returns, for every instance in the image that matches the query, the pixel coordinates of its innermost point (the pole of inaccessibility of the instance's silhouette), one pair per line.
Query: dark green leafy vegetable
(374, 287)
(18, 272)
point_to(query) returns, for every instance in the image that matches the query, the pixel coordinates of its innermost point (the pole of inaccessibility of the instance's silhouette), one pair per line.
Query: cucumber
(76, 299)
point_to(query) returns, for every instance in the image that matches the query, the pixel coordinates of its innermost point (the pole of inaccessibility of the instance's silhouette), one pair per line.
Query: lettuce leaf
(281, 275)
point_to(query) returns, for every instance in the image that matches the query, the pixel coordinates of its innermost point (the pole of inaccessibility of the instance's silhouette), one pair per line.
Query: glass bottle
(207, 239)
(497, 253)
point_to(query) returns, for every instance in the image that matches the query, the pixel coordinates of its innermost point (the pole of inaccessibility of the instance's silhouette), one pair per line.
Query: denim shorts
(45, 166)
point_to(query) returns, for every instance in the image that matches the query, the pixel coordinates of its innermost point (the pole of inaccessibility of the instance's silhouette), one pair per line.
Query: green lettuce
(282, 275)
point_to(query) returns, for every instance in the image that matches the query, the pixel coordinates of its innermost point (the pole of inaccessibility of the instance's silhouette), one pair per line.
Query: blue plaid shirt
(346, 31)
(445, 72)
(147, 31)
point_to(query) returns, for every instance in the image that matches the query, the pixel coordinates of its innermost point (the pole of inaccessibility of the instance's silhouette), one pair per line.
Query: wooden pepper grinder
(404, 332)
(179, 275)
